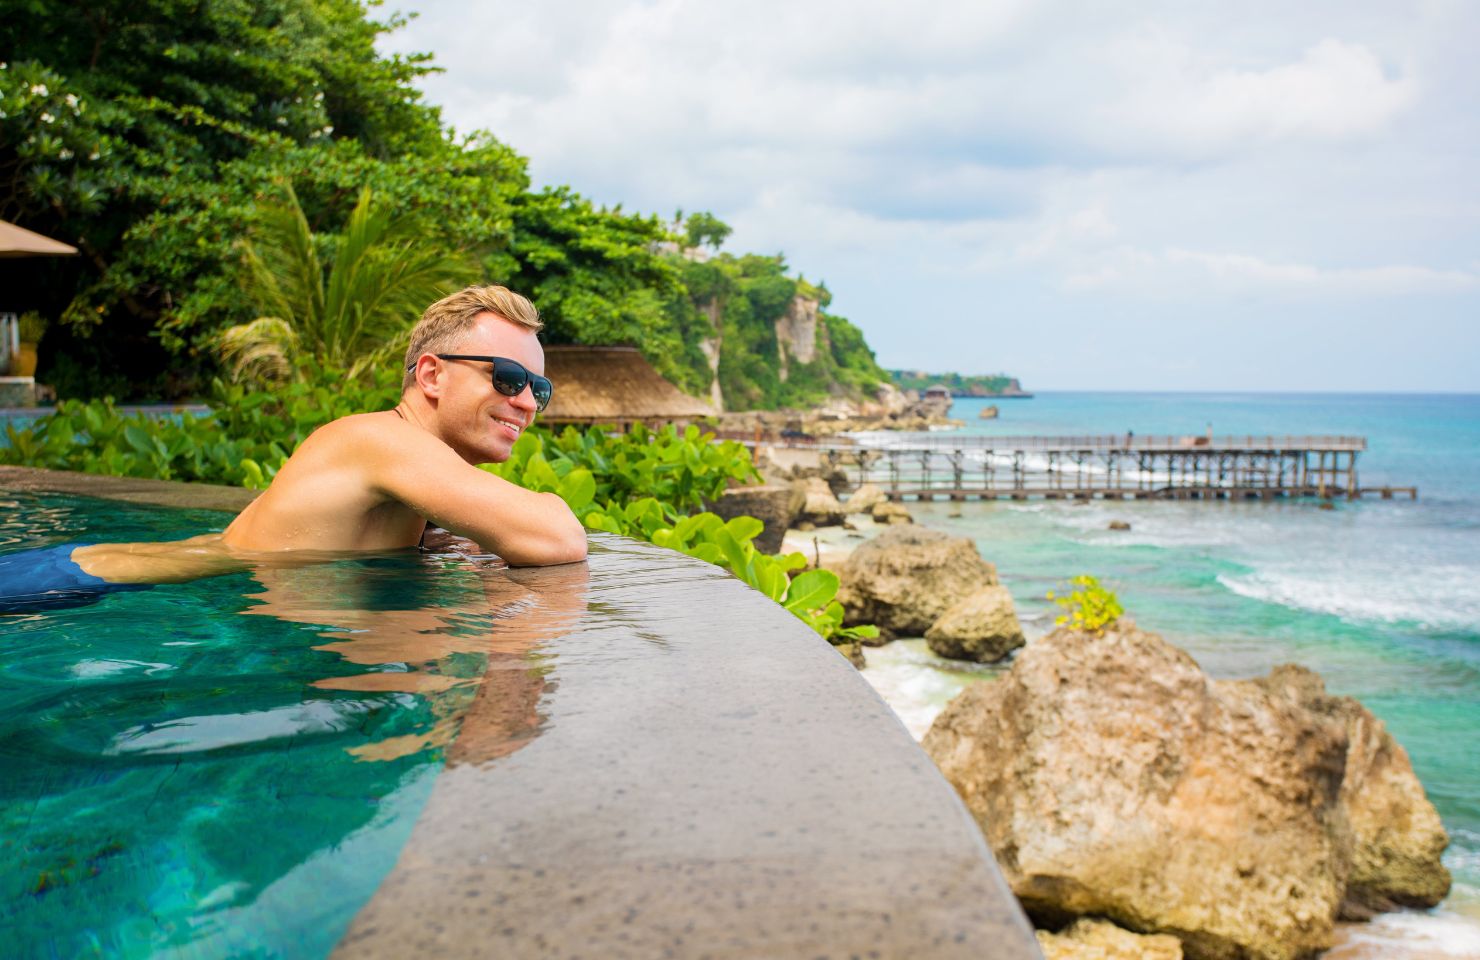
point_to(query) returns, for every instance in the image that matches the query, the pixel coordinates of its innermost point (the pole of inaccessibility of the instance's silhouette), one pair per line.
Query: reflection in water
(474, 660)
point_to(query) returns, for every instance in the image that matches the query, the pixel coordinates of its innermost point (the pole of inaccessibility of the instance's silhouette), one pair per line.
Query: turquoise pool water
(221, 768)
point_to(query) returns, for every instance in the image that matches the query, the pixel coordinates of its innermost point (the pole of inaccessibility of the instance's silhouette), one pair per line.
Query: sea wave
(1409, 936)
(1440, 598)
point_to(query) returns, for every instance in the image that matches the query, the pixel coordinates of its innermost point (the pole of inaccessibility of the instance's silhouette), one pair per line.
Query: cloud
(1336, 91)
(1196, 273)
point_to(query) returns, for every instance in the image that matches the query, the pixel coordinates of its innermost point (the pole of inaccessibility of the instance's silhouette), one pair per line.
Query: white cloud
(1194, 273)
(1336, 91)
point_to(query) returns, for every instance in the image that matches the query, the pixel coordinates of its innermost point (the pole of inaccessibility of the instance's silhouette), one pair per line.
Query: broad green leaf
(812, 590)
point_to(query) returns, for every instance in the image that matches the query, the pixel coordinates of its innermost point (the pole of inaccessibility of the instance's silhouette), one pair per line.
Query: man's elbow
(564, 541)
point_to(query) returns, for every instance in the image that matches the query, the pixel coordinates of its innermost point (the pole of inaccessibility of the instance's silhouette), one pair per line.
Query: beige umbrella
(19, 242)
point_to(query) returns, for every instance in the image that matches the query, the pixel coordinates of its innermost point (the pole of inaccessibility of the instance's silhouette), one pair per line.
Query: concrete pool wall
(661, 761)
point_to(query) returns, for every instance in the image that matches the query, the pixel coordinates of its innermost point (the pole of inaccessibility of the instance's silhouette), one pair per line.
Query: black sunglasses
(510, 377)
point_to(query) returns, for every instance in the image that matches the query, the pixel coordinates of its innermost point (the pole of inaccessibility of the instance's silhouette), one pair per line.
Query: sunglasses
(510, 377)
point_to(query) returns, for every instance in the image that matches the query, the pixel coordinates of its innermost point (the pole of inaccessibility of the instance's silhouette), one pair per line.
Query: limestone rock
(1119, 525)
(819, 506)
(989, 413)
(1113, 778)
(1098, 940)
(907, 576)
(982, 627)
(1396, 834)
(864, 498)
(888, 512)
(775, 505)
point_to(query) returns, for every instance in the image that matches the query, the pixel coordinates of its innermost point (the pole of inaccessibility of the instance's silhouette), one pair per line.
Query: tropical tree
(349, 316)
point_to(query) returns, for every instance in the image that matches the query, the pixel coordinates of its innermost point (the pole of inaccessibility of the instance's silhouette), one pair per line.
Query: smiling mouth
(513, 425)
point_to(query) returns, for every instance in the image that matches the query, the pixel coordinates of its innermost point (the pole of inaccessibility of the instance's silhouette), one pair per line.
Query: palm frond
(259, 351)
(383, 274)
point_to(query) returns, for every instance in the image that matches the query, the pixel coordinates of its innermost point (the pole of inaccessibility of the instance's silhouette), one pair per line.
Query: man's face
(476, 420)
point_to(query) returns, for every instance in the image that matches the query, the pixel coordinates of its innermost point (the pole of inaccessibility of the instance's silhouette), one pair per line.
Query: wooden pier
(1105, 467)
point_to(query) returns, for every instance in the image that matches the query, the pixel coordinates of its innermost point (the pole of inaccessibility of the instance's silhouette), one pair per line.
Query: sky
(1179, 195)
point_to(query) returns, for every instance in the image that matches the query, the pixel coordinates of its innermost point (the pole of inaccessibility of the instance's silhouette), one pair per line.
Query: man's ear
(431, 376)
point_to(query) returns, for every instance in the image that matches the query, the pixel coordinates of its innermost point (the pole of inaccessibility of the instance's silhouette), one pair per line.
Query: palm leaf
(382, 275)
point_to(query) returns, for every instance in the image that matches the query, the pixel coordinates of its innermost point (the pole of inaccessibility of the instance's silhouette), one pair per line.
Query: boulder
(864, 498)
(819, 506)
(1113, 778)
(775, 505)
(888, 512)
(1119, 525)
(1397, 837)
(906, 577)
(1098, 940)
(982, 627)
(989, 413)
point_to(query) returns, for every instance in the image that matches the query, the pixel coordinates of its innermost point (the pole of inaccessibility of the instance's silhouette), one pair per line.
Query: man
(371, 482)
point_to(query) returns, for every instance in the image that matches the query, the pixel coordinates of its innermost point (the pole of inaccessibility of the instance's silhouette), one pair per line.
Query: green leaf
(138, 439)
(812, 590)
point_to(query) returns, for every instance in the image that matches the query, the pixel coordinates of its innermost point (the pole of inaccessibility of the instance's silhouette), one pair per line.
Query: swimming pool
(403, 756)
(227, 767)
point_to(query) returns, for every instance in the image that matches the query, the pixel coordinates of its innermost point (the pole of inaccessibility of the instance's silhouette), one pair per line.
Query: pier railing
(1113, 466)
(1099, 443)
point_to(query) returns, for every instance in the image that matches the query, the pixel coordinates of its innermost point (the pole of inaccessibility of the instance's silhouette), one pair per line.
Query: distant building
(937, 392)
(614, 385)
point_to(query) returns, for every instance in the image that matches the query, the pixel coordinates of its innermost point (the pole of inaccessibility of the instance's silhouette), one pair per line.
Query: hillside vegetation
(157, 138)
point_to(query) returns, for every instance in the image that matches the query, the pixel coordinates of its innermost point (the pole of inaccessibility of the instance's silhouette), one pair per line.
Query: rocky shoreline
(1138, 807)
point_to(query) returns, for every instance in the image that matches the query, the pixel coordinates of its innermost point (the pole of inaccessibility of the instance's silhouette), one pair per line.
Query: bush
(1089, 605)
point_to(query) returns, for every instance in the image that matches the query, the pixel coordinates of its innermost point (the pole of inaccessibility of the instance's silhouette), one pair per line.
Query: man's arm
(523, 527)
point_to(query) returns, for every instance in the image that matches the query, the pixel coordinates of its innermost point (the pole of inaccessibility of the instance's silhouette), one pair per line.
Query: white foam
(1409, 936)
(1438, 597)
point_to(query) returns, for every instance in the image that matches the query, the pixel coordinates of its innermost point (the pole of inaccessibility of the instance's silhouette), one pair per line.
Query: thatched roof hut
(613, 385)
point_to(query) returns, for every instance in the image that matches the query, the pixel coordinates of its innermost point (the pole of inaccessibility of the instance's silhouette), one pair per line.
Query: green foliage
(985, 385)
(118, 114)
(1088, 605)
(355, 315)
(705, 229)
(31, 327)
(683, 470)
(641, 484)
(148, 134)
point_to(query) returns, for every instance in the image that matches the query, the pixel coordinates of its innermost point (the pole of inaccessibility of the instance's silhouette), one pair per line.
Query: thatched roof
(613, 385)
(19, 242)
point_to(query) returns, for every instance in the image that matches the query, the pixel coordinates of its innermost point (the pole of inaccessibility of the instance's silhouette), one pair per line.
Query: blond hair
(448, 320)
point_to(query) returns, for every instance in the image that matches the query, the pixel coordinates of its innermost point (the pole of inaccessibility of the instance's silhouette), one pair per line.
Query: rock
(819, 506)
(906, 577)
(887, 512)
(989, 413)
(864, 498)
(853, 652)
(1397, 837)
(982, 627)
(775, 505)
(1098, 940)
(1119, 525)
(1113, 778)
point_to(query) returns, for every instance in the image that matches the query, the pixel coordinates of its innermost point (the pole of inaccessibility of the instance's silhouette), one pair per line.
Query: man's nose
(525, 400)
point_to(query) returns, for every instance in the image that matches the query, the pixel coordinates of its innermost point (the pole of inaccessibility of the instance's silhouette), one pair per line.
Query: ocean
(1382, 598)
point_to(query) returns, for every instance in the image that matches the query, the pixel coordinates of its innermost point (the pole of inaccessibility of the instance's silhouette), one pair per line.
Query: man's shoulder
(363, 432)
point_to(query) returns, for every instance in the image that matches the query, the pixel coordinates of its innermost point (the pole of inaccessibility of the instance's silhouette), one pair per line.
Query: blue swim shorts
(47, 579)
